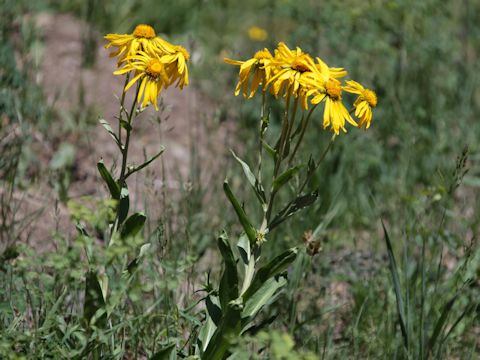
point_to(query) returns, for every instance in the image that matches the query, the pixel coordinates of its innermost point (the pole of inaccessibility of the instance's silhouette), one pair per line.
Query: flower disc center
(144, 31)
(300, 65)
(333, 89)
(154, 68)
(370, 97)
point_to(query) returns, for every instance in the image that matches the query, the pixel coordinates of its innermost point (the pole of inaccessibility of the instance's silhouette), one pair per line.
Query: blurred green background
(422, 59)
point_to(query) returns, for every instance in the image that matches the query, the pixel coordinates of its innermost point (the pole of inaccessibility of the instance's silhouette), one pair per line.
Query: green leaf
(206, 333)
(270, 150)
(213, 308)
(123, 204)
(133, 225)
(256, 185)
(94, 300)
(285, 177)
(228, 289)
(296, 205)
(107, 127)
(164, 353)
(133, 265)
(107, 177)
(228, 331)
(246, 224)
(275, 267)
(397, 287)
(146, 163)
(243, 247)
(262, 296)
(441, 323)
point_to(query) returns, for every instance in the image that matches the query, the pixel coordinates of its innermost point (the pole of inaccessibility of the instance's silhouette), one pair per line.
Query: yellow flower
(152, 76)
(365, 102)
(330, 71)
(291, 67)
(330, 91)
(256, 33)
(258, 68)
(143, 38)
(176, 64)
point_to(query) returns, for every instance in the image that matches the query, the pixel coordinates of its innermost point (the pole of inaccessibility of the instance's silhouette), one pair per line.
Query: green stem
(280, 149)
(304, 128)
(322, 157)
(122, 109)
(127, 139)
(261, 131)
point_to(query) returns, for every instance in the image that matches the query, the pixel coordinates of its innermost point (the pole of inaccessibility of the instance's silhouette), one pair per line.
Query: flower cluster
(153, 61)
(293, 73)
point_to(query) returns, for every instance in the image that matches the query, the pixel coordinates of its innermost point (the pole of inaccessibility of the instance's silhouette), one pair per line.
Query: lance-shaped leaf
(107, 177)
(262, 296)
(256, 185)
(107, 127)
(164, 353)
(94, 300)
(275, 267)
(133, 265)
(123, 204)
(293, 206)
(146, 163)
(213, 307)
(441, 322)
(285, 177)
(133, 225)
(228, 331)
(396, 285)
(229, 282)
(242, 216)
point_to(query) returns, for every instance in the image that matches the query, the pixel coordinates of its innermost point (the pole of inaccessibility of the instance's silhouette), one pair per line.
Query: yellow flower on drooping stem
(175, 61)
(329, 90)
(151, 74)
(291, 66)
(365, 102)
(256, 68)
(143, 38)
(330, 71)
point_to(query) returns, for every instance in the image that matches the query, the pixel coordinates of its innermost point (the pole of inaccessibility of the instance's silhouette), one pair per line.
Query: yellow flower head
(256, 68)
(175, 61)
(256, 33)
(329, 90)
(291, 66)
(330, 71)
(151, 73)
(365, 102)
(143, 39)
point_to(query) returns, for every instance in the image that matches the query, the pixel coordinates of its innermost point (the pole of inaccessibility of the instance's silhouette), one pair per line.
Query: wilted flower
(256, 68)
(365, 102)
(175, 61)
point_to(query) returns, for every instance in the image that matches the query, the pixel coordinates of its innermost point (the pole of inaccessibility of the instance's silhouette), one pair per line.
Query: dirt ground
(184, 125)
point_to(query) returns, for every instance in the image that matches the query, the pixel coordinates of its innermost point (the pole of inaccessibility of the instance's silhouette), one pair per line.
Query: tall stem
(304, 128)
(127, 138)
(122, 109)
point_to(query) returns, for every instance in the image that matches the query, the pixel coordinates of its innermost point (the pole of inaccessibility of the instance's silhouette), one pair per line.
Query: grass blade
(396, 285)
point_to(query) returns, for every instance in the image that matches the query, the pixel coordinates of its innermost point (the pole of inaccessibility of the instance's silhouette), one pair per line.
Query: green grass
(411, 291)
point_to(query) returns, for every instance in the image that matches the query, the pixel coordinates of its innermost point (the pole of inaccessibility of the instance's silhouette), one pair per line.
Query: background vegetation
(417, 169)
